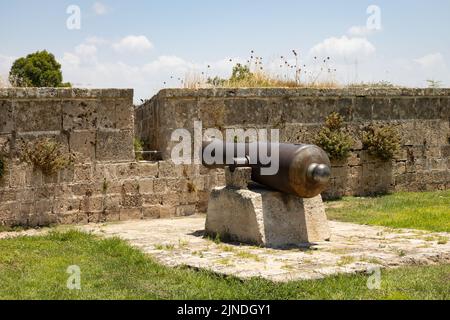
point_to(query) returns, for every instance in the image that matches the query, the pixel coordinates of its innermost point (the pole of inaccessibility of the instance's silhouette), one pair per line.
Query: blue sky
(141, 44)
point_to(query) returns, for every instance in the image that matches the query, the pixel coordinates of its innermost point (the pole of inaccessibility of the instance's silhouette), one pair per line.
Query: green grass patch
(425, 211)
(11, 229)
(35, 268)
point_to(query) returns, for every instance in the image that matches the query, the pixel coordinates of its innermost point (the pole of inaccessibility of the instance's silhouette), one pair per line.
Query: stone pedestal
(265, 217)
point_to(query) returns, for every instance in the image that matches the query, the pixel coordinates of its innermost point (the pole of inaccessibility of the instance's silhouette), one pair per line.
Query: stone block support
(266, 218)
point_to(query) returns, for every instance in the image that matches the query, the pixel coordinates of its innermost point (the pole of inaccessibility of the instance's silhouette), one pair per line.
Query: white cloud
(70, 59)
(84, 54)
(86, 49)
(96, 40)
(344, 47)
(360, 31)
(133, 43)
(83, 68)
(431, 61)
(100, 8)
(167, 62)
(5, 64)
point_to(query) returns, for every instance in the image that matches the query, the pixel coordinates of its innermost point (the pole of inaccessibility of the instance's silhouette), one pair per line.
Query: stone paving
(353, 248)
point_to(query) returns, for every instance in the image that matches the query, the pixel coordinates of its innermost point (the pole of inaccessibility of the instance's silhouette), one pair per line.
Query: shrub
(434, 84)
(334, 139)
(381, 141)
(216, 81)
(138, 148)
(240, 73)
(39, 69)
(47, 155)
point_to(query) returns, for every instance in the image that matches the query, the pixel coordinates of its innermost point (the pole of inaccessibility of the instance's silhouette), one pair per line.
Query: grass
(35, 268)
(345, 260)
(165, 247)
(248, 255)
(425, 211)
(11, 228)
(266, 80)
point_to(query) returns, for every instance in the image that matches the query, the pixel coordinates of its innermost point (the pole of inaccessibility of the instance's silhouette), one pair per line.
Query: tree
(39, 69)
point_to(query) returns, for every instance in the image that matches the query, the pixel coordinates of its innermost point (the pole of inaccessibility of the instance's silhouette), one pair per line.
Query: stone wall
(105, 183)
(421, 115)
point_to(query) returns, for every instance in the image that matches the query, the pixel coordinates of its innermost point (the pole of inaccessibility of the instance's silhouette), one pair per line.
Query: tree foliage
(39, 69)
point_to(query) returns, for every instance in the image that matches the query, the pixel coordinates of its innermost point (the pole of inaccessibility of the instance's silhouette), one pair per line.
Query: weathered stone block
(166, 212)
(445, 151)
(168, 169)
(151, 212)
(91, 204)
(185, 210)
(403, 108)
(80, 114)
(37, 115)
(6, 116)
(363, 108)
(131, 186)
(171, 199)
(235, 112)
(131, 214)
(114, 145)
(116, 114)
(152, 199)
(239, 178)
(82, 173)
(146, 186)
(428, 108)
(160, 185)
(82, 143)
(148, 169)
(266, 218)
(127, 170)
(212, 112)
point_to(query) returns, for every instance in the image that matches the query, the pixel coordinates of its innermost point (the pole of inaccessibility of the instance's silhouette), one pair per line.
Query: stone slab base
(353, 249)
(266, 218)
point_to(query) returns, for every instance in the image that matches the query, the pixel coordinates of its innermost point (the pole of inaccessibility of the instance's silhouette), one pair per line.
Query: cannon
(303, 170)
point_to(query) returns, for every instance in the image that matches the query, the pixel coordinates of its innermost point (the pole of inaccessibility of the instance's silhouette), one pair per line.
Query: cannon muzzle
(303, 170)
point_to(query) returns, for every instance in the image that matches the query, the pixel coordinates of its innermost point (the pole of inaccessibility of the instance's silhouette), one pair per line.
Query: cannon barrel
(304, 170)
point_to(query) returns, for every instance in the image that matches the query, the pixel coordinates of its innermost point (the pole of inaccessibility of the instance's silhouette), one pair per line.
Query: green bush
(138, 148)
(334, 139)
(46, 155)
(381, 141)
(39, 69)
(240, 73)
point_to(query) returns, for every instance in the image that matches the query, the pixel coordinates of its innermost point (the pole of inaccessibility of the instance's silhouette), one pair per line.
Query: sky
(150, 45)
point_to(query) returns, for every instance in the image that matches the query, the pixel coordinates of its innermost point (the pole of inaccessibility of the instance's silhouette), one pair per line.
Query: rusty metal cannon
(303, 170)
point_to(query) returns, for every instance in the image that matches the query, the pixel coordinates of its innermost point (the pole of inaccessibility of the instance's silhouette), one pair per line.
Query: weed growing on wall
(46, 155)
(334, 139)
(381, 141)
(138, 148)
